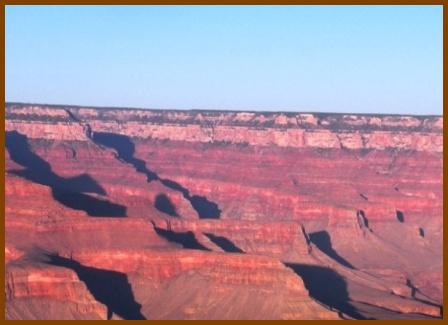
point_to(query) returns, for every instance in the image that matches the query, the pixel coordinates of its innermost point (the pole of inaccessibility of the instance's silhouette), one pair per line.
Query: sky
(351, 59)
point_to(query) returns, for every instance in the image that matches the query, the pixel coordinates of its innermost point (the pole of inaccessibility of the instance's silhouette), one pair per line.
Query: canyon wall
(295, 130)
(221, 206)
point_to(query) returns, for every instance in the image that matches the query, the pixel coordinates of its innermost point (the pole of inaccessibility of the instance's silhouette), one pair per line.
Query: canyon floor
(163, 214)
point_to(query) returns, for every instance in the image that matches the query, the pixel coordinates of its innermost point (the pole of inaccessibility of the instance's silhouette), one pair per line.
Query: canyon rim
(115, 213)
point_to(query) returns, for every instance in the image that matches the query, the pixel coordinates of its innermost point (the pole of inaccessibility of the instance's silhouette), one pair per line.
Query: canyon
(121, 213)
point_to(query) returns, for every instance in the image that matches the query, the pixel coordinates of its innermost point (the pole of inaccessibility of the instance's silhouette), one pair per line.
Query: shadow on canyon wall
(400, 216)
(108, 287)
(67, 191)
(421, 297)
(421, 232)
(125, 149)
(164, 204)
(323, 241)
(362, 219)
(327, 287)
(224, 243)
(186, 239)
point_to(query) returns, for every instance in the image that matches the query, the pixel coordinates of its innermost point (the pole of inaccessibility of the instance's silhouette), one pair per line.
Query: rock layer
(220, 206)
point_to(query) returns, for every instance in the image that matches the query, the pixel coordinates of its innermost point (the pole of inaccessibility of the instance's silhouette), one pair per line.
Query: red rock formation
(221, 206)
(34, 292)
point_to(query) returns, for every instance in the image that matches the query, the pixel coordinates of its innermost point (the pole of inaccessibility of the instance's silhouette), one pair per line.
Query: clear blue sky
(377, 59)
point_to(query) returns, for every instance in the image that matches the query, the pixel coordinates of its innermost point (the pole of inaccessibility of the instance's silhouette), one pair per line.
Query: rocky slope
(193, 214)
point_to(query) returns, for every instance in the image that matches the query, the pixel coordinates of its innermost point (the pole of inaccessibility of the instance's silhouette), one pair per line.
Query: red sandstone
(222, 215)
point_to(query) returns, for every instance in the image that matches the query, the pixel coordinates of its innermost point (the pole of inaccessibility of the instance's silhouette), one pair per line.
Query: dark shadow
(327, 287)
(364, 196)
(39, 171)
(108, 287)
(305, 235)
(93, 206)
(224, 243)
(415, 291)
(174, 186)
(413, 288)
(400, 216)
(421, 232)
(205, 208)
(164, 204)
(362, 219)
(126, 149)
(186, 239)
(322, 240)
(67, 191)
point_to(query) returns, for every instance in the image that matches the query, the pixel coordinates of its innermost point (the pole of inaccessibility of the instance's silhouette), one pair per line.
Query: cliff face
(295, 130)
(221, 206)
